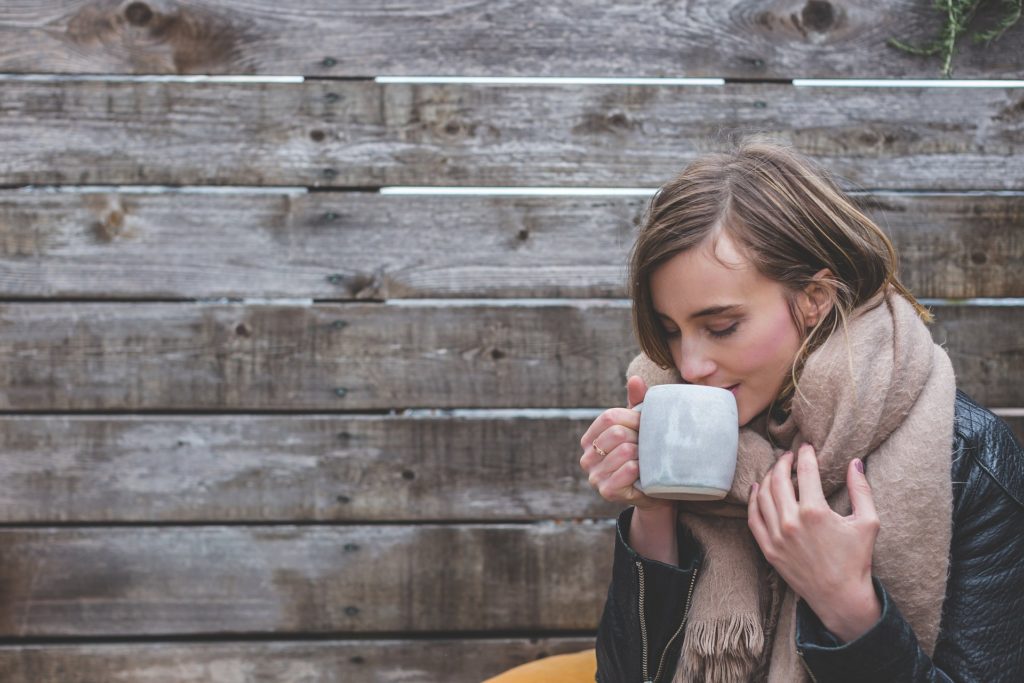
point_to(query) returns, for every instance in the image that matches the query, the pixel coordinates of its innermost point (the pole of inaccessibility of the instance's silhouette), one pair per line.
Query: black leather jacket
(981, 636)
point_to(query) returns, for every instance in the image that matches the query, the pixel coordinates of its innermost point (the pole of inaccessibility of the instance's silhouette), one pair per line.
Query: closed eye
(671, 334)
(726, 332)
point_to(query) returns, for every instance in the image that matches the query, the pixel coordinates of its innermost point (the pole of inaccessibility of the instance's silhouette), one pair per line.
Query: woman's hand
(824, 557)
(615, 432)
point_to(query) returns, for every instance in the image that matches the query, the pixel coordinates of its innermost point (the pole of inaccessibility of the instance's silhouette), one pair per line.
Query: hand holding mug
(610, 453)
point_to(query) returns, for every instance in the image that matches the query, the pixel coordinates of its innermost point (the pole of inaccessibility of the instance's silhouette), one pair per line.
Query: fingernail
(753, 488)
(859, 464)
(790, 453)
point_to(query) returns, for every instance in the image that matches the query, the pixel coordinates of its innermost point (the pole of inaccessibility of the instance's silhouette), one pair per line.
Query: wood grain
(269, 468)
(361, 134)
(468, 660)
(158, 581)
(360, 356)
(362, 245)
(817, 38)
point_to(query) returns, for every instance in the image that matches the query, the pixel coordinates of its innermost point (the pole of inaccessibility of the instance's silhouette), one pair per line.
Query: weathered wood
(334, 356)
(352, 245)
(191, 356)
(297, 468)
(315, 579)
(367, 134)
(333, 661)
(498, 38)
(212, 469)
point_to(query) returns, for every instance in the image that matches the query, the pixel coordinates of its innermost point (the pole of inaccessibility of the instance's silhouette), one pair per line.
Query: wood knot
(618, 119)
(359, 285)
(818, 15)
(111, 226)
(138, 14)
(185, 39)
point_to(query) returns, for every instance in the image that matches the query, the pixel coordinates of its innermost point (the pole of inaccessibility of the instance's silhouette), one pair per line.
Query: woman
(897, 553)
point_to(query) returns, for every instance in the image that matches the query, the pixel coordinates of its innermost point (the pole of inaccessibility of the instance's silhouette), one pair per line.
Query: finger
(808, 478)
(599, 424)
(782, 491)
(755, 522)
(766, 505)
(615, 459)
(636, 388)
(623, 478)
(605, 421)
(617, 434)
(860, 492)
(591, 459)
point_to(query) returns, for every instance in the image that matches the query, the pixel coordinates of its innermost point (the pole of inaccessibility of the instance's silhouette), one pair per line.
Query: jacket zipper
(643, 625)
(804, 662)
(643, 622)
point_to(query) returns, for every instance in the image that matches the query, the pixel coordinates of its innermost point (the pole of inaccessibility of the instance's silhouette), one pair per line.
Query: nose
(695, 365)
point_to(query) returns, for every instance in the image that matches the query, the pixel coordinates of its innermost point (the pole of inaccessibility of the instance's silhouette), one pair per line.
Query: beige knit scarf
(882, 392)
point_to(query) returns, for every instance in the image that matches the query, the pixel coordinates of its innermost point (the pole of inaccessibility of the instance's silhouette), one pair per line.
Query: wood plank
(146, 581)
(499, 38)
(521, 354)
(366, 134)
(294, 468)
(331, 661)
(57, 356)
(258, 468)
(356, 245)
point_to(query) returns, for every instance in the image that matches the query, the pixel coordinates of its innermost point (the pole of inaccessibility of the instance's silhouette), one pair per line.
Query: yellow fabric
(575, 667)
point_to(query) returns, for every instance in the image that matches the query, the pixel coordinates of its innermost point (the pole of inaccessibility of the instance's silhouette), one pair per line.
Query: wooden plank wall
(263, 422)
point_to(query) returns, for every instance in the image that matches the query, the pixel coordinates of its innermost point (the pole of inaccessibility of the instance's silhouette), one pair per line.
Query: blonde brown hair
(787, 215)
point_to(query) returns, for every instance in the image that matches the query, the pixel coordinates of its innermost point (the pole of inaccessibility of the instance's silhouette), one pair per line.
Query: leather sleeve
(982, 624)
(666, 588)
(889, 651)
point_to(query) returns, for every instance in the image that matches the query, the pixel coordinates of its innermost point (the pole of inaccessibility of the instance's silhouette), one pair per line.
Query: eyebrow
(705, 312)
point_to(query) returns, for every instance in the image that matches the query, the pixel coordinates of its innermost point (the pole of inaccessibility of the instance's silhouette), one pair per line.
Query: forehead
(694, 279)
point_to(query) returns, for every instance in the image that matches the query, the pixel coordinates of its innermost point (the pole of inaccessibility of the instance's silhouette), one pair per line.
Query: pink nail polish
(859, 464)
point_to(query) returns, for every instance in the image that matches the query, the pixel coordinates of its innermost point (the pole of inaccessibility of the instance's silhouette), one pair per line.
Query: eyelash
(719, 334)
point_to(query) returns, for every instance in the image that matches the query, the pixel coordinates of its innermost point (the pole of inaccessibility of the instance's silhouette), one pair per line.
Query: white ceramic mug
(687, 442)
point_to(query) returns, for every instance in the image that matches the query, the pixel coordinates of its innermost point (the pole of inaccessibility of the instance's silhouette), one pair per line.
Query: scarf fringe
(722, 650)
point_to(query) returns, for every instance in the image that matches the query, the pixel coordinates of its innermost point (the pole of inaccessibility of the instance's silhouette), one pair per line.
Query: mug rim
(676, 386)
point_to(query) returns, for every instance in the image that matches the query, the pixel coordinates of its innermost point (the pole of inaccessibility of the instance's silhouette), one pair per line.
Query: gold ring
(598, 449)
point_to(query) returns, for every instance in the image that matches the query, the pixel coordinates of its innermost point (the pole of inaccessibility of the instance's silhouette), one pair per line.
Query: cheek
(776, 347)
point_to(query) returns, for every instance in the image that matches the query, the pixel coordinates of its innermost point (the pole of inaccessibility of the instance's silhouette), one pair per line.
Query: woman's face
(728, 326)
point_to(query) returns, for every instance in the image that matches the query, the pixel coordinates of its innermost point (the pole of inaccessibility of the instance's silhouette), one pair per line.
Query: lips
(733, 388)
